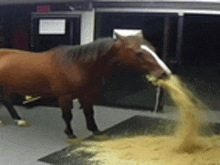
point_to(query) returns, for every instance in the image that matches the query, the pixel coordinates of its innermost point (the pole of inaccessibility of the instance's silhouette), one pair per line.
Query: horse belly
(27, 87)
(43, 92)
(26, 77)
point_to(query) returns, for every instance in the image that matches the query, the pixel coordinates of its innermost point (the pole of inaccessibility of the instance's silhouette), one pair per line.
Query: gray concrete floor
(24, 146)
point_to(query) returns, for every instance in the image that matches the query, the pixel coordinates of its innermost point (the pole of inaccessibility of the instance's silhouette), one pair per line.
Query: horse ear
(140, 34)
(120, 40)
(118, 36)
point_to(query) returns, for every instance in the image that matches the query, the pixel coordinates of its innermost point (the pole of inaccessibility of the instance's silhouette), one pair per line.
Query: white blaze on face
(159, 61)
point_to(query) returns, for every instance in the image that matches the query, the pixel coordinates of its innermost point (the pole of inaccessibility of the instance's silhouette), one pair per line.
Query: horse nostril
(163, 75)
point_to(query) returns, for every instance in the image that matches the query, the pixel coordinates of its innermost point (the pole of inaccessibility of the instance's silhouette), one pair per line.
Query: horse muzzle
(164, 76)
(163, 66)
(154, 79)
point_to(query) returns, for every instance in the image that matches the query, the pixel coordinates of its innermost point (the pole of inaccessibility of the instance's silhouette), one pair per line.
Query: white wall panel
(87, 27)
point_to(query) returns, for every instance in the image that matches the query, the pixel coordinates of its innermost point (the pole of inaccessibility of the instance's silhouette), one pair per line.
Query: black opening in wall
(201, 40)
(151, 24)
(130, 88)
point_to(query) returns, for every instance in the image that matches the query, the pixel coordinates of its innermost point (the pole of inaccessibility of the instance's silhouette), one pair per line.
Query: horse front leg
(66, 105)
(90, 121)
(87, 106)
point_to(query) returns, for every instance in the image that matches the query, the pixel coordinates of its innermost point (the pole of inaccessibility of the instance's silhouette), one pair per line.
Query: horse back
(4, 52)
(43, 74)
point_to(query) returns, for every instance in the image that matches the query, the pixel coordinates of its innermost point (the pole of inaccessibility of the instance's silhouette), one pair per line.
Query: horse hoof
(72, 137)
(69, 134)
(22, 123)
(97, 132)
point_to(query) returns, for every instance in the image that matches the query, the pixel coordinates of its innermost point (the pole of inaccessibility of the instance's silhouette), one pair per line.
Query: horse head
(134, 52)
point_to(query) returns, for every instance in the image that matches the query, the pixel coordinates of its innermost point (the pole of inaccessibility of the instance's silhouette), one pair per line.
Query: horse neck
(103, 66)
(98, 68)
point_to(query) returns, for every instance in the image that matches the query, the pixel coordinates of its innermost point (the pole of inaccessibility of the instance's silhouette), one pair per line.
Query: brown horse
(70, 72)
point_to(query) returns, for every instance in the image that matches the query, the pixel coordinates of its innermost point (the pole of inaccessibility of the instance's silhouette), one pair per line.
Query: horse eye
(139, 54)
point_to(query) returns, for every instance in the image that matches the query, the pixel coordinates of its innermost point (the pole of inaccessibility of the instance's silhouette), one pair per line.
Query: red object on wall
(20, 38)
(20, 41)
(43, 9)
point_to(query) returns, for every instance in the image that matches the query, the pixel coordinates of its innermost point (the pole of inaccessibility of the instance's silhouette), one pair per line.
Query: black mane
(91, 51)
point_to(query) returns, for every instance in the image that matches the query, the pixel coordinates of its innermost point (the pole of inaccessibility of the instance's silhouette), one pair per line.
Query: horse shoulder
(64, 79)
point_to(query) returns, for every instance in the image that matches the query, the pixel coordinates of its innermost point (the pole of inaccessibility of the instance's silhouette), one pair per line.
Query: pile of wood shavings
(186, 147)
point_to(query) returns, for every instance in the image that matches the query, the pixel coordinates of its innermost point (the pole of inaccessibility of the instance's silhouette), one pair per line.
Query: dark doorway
(201, 40)
(128, 88)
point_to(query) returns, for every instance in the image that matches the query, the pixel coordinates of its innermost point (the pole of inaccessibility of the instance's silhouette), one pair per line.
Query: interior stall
(185, 35)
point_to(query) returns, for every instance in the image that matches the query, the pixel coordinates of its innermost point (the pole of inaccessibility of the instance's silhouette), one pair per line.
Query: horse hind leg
(17, 119)
(7, 103)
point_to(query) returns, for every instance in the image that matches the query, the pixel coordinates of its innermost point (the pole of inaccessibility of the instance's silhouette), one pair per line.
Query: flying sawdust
(186, 147)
